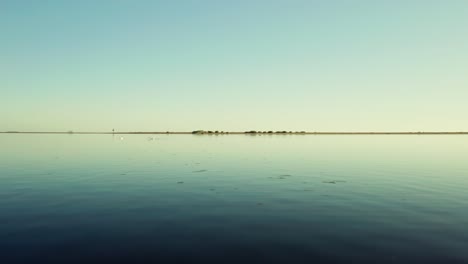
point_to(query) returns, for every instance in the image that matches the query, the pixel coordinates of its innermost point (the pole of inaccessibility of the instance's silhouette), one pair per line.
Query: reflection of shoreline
(244, 133)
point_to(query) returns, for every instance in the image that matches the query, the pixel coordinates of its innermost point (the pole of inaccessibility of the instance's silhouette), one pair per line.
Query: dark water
(233, 199)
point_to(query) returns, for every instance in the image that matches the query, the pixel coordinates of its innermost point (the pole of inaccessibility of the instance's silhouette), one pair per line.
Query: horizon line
(252, 132)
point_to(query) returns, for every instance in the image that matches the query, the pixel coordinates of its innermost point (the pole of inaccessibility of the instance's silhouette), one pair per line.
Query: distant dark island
(249, 132)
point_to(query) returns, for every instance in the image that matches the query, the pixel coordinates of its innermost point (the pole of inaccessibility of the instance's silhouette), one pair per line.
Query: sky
(183, 65)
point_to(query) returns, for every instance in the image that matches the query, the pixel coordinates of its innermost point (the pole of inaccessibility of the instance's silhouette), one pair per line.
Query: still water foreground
(233, 199)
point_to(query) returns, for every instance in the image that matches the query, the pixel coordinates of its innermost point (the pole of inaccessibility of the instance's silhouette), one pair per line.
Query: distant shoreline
(239, 133)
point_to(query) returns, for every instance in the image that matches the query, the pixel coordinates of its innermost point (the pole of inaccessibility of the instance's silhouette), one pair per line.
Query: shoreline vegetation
(250, 132)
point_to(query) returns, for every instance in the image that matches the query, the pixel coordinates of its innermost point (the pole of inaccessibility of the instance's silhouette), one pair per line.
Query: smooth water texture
(233, 199)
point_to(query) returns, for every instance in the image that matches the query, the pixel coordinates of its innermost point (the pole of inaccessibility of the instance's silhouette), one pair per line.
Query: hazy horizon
(234, 66)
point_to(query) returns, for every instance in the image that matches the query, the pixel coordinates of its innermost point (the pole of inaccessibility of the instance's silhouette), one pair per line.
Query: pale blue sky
(233, 65)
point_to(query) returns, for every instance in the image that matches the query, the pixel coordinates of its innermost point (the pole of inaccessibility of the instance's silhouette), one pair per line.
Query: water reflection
(236, 198)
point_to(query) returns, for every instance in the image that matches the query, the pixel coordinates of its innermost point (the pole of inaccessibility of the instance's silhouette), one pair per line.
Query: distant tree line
(201, 132)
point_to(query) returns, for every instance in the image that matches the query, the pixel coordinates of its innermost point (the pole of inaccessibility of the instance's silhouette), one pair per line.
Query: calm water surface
(233, 199)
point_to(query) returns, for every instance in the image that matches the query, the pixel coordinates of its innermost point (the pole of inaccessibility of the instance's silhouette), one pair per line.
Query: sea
(233, 198)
